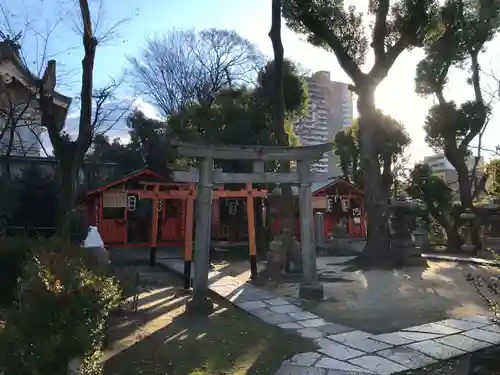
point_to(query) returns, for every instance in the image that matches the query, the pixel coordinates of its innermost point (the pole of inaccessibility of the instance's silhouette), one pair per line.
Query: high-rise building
(330, 109)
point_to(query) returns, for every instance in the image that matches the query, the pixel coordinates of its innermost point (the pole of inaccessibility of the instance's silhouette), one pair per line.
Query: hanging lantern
(345, 204)
(131, 202)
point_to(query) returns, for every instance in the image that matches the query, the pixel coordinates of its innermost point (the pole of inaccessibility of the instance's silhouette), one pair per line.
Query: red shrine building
(123, 211)
(342, 204)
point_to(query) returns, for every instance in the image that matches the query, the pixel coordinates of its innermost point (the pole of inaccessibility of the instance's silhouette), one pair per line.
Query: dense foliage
(63, 303)
(242, 116)
(395, 27)
(391, 142)
(493, 170)
(465, 29)
(432, 190)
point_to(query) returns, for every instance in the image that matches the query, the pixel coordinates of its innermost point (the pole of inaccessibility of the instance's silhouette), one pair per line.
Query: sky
(252, 20)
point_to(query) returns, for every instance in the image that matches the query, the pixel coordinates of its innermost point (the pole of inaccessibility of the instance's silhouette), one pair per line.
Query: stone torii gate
(206, 179)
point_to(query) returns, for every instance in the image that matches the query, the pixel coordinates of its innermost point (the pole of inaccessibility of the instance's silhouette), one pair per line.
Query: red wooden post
(154, 226)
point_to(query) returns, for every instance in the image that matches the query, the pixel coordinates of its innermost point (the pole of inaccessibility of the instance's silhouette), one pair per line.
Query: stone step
(290, 369)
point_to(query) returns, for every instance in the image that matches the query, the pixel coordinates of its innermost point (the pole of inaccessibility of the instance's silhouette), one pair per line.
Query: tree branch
(89, 44)
(380, 32)
(321, 30)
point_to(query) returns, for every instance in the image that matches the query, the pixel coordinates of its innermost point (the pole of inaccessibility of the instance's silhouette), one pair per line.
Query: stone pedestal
(468, 221)
(310, 286)
(200, 306)
(404, 248)
(311, 291)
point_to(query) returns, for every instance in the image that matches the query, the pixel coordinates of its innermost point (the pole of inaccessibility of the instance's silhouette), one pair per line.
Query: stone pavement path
(344, 350)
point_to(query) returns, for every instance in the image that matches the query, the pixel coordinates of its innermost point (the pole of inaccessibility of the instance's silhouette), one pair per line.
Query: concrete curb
(462, 259)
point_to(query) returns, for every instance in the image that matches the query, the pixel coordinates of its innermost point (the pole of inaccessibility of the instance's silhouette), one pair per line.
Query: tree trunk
(377, 250)
(68, 169)
(285, 209)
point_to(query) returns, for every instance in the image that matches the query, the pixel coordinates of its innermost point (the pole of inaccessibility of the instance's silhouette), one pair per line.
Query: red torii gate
(189, 194)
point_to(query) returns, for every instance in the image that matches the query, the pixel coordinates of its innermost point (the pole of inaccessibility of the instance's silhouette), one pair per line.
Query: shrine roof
(133, 175)
(319, 187)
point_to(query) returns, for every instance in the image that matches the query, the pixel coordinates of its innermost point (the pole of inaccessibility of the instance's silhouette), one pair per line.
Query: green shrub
(62, 309)
(13, 252)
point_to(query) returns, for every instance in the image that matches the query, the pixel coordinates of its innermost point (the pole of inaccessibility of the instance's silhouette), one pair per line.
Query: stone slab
(333, 364)
(223, 290)
(378, 364)
(334, 329)
(366, 345)
(461, 324)
(290, 369)
(407, 357)
(285, 309)
(436, 350)
(312, 322)
(225, 281)
(391, 338)
(493, 328)
(311, 333)
(290, 326)
(276, 301)
(477, 319)
(484, 335)
(417, 336)
(250, 293)
(462, 342)
(304, 315)
(434, 328)
(277, 319)
(271, 317)
(337, 350)
(251, 305)
(349, 336)
(305, 359)
(343, 372)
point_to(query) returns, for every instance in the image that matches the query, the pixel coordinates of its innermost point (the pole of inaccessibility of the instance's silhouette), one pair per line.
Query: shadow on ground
(381, 301)
(161, 339)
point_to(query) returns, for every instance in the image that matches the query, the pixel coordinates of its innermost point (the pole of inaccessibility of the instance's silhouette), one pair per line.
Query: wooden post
(200, 302)
(309, 288)
(154, 227)
(251, 231)
(188, 238)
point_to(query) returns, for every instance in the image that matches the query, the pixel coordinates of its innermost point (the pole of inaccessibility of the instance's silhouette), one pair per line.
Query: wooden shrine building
(343, 206)
(123, 211)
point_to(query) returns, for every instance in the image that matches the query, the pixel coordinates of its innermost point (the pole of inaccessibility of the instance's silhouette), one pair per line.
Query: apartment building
(330, 109)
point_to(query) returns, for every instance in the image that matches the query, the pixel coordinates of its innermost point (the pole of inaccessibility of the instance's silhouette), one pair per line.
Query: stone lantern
(403, 245)
(468, 226)
(421, 235)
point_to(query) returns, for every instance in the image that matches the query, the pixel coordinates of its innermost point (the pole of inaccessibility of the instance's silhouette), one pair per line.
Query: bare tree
(97, 113)
(184, 66)
(71, 153)
(18, 116)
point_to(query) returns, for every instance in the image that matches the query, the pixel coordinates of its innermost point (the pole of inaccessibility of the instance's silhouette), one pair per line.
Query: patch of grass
(162, 339)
